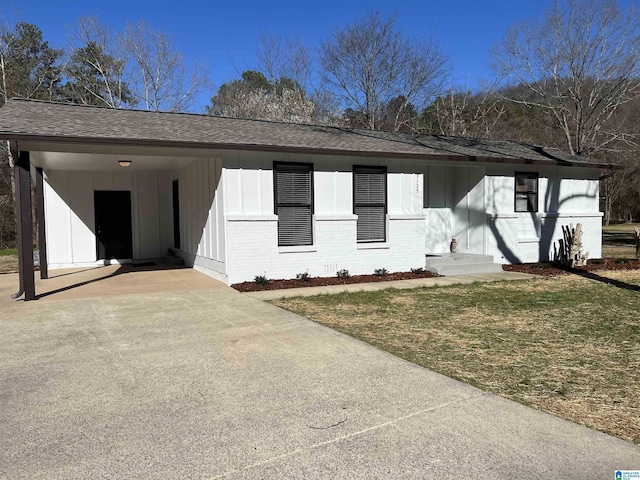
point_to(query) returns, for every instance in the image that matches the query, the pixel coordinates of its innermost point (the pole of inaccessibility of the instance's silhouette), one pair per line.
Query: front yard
(567, 345)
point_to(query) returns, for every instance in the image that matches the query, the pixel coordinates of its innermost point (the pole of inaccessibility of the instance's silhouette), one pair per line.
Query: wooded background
(569, 81)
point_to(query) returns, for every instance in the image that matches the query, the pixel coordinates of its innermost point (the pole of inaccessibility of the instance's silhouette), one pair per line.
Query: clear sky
(223, 34)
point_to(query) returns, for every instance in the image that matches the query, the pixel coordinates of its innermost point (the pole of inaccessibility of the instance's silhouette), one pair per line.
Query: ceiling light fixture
(124, 163)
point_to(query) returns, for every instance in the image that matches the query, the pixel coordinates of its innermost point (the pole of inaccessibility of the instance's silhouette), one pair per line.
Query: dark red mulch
(323, 281)
(551, 269)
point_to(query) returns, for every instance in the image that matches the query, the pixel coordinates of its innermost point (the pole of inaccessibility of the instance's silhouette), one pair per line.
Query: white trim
(529, 240)
(336, 218)
(252, 218)
(373, 246)
(212, 273)
(572, 215)
(298, 249)
(407, 217)
(494, 216)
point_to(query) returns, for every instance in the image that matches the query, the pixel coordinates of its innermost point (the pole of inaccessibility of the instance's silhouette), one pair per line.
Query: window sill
(373, 246)
(298, 249)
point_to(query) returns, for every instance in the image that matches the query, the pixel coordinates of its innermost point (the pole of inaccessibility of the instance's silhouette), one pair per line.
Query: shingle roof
(30, 119)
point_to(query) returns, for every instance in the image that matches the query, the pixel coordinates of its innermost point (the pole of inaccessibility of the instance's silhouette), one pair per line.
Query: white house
(239, 198)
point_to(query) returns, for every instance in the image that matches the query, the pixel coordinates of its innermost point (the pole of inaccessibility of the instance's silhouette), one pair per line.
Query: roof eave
(114, 141)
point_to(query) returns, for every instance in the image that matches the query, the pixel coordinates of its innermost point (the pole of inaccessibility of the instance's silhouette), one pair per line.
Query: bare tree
(284, 58)
(370, 63)
(159, 78)
(464, 113)
(96, 68)
(579, 64)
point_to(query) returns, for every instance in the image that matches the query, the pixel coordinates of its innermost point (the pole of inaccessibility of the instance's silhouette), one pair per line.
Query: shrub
(344, 273)
(381, 272)
(418, 271)
(304, 277)
(261, 280)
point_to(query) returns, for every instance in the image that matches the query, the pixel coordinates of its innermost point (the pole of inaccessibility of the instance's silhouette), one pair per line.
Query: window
(526, 199)
(370, 202)
(293, 185)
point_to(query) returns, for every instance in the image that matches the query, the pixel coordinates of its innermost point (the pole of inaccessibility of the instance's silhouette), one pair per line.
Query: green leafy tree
(95, 72)
(30, 68)
(95, 77)
(254, 96)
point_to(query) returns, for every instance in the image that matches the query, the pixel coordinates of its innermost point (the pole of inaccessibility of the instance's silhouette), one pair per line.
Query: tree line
(569, 80)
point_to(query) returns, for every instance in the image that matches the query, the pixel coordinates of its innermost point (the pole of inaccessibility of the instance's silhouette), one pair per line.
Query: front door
(113, 225)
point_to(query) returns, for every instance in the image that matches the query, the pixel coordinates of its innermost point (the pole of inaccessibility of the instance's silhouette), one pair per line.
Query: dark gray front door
(113, 225)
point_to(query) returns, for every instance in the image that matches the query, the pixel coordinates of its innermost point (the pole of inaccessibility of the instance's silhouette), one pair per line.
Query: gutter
(287, 149)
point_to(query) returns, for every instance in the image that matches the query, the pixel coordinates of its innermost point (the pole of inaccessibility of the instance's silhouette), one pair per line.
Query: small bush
(344, 273)
(381, 272)
(303, 277)
(261, 280)
(418, 271)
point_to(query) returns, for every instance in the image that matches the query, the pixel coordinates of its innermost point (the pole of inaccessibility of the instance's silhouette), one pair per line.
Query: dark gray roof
(30, 119)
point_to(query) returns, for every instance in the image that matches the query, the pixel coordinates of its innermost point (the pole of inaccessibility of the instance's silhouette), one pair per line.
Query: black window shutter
(370, 197)
(294, 201)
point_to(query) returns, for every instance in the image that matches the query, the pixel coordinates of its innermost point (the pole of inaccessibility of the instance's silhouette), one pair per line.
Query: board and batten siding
(70, 214)
(454, 208)
(566, 195)
(252, 225)
(202, 228)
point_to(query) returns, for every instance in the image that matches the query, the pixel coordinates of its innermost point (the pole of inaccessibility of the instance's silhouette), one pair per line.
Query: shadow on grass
(600, 278)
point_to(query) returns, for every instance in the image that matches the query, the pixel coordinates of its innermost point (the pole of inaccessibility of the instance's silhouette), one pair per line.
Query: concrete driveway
(212, 383)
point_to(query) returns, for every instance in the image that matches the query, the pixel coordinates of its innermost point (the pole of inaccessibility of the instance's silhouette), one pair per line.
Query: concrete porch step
(455, 264)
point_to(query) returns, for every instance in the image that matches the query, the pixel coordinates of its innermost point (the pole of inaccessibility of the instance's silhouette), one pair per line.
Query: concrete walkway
(212, 383)
(399, 284)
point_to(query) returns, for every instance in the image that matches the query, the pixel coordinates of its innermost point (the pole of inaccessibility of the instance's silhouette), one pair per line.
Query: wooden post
(25, 227)
(42, 238)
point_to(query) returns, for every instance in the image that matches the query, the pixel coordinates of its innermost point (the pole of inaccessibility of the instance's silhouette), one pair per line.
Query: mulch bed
(324, 281)
(551, 269)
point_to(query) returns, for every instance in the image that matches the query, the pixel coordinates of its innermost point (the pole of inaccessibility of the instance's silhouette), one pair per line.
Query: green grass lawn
(618, 240)
(9, 252)
(569, 346)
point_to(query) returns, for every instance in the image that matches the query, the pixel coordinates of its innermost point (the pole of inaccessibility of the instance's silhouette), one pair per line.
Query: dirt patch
(8, 264)
(550, 269)
(324, 281)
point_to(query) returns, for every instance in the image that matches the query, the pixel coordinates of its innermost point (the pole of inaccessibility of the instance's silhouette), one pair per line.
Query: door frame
(129, 238)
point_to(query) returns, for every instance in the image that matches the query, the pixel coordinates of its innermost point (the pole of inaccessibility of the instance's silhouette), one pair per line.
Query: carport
(128, 183)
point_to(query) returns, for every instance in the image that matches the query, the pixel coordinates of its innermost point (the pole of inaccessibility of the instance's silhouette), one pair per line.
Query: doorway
(176, 214)
(113, 225)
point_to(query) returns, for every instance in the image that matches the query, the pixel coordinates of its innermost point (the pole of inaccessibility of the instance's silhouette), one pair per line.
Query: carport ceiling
(70, 161)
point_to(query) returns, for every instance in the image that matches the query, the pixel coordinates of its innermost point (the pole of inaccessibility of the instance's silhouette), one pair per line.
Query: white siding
(70, 214)
(566, 196)
(252, 225)
(202, 234)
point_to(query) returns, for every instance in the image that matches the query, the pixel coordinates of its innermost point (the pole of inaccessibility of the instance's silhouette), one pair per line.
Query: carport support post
(25, 226)
(42, 238)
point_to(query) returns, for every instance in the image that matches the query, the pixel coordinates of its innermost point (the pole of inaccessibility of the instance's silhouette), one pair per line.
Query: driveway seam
(350, 435)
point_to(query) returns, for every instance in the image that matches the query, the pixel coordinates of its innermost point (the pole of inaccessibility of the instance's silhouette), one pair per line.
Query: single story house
(239, 198)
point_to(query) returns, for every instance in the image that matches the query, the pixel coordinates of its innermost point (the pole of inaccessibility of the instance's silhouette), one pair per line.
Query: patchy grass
(9, 252)
(569, 346)
(8, 263)
(618, 240)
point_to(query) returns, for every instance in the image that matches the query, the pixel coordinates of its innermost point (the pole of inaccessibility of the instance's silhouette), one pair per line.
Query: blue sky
(223, 34)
